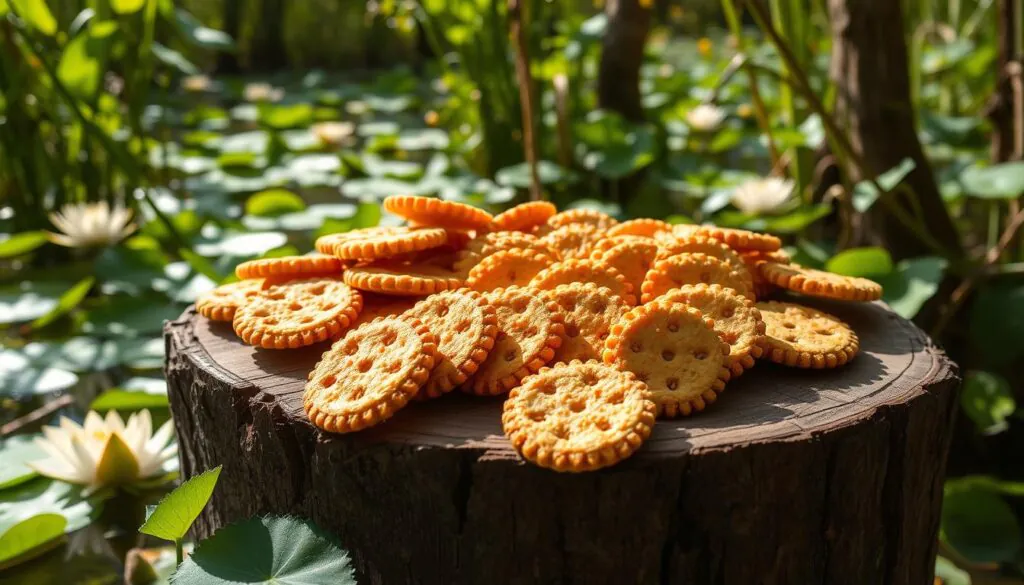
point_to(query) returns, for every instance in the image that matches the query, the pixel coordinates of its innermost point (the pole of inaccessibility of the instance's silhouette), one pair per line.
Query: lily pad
(548, 173)
(273, 203)
(15, 452)
(44, 495)
(310, 218)
(24, 382)
(240, 244)
(286, 551)
(1001, 181)
(130, 316)
(128, 401)
(29, 538)
(28, 301)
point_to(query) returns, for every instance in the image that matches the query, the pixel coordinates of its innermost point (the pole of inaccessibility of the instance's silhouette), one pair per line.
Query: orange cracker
(578, 416)
(297, 313)
(803, 337)
(438, 212)
(752, 258)
(573, 240)
(221, 303)
(484, 245)
(702, 245)
(465, 326)
(736, 320)
(741, 239)
(818, 283)
(633, 258)
(368, 375)
(582, 215)
(675, 271)
(380, 242)
(585, 270)
(515, 267)
(607, 242)
(290, 267)
(525, 216)
(590, 311)
(377, 305)
(675, 351)
(414, 279)
(643, 226)
(530, 329)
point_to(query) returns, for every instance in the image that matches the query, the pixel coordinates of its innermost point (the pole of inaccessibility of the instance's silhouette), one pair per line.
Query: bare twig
(516, 30)
(43, 412)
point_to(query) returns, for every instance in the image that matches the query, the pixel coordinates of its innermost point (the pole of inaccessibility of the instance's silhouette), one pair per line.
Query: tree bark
(1002, 107)
(869, 70)
(622, 54)
(802, 477)
(268, 49)
(227, 61)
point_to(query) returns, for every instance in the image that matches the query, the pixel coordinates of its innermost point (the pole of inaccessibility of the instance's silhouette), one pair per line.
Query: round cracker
(380, 242)
(368, 375)
(633, 258)
(803, 337)
(585, 270)
(818, 283)
(515, 267)
(465, 326)
(525, 216)
(675, 351)
(589, 311)
(429, 211)
(642, 226)
(530, 329)
(297, 313)
(412, 279)
(221, 303)
(738, 239)
(572, 240)
(290, 267)
(675, 271)
(578, 416)
(584, 216)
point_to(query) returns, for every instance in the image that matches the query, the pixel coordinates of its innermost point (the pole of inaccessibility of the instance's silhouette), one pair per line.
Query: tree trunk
(268, 50)
(1002, 107)
(869, 69)
(227, 61)
(801, 477)
(622, 54)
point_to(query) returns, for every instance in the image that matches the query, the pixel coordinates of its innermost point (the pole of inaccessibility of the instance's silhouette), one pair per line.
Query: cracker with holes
(530, 329)
(515, 267)
(585, 270)
(818, 283)
(369, 374)
(380, 242)
(578, 416)
(803, 337)
(582, 216)
(465, 326)
(288, 267)
(525, 216)
(753, 259)
(736, 320)
(701, 245)
(633, 258)
(297, 313)
(642, 226)
(484, 245)
(675, 271)
(674, 349)
(412, 279)
(573, 240)
(429, 211)
(739, 239)
(221, 303)
(589, 311)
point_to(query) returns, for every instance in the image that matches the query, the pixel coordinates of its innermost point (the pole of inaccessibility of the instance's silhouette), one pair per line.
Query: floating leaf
(549, 173)
(864, 262)
(979, 524)
(422, 139)
(865, 194)
(911, 284)
(1001, 181)
(29, 538)
(285, 551)
(310, 218)
(202, 36)
(273, 203)
(28, 381)
(15, 452)
(29, 300)
(130, 316)
(174, 515)
(286, 116)
(240, 244)
(42, 496)
(68, 301)
(988, 401)
(22, 243)
(128, 401)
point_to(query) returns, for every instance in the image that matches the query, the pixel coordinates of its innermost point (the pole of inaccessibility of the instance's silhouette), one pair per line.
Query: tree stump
(794, 476)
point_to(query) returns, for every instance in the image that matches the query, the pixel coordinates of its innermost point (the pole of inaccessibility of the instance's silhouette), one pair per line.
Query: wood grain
(794, 476)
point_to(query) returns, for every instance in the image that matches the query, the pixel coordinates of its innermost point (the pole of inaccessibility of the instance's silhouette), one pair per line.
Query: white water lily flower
(105, 451)
(196, 83)
(705, 118)
(332, 133)
(262, 92)
(762, 195)
(86, 225)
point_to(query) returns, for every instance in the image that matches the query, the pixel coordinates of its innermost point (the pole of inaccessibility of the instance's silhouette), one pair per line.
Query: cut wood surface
(793, 476)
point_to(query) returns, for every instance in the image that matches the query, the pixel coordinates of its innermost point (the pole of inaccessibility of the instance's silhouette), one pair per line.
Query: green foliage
(987, 400)
(282, 550)
(15, 452)
(174, 515)
(979, 524)
(20, 244)
(35, 514)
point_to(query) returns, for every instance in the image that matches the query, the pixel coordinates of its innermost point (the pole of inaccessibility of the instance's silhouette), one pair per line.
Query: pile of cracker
(590, 328)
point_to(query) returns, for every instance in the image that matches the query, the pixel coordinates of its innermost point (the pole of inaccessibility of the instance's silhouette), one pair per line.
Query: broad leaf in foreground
(175, 513)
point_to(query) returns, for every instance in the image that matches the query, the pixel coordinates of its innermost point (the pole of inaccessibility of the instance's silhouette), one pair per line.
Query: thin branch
(42, 413)
(525, 80)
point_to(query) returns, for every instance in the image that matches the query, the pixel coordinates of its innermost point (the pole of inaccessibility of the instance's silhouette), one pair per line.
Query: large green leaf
(83, 62)
(36, 13)
(15, 452)
(911, 284)
(273, 203)
(979, 524)
(865, 262)
(29, 300)
(1001, 181)
(865, 194)
(996, 323)
(286, 116)
(988, 401)
(174, 515)
(283, 551)
(22, 243)
(43, 495)
(30, 537)
(202, 36)
(68, 301)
